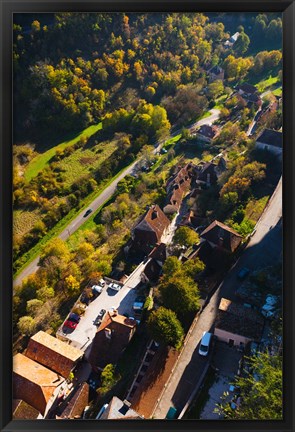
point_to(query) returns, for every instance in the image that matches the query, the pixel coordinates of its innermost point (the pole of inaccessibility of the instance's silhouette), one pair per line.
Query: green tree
(215, 89)
(180, 294)
(33, 306)
(108, 379)
(261, 389)
(171, 266)
(242, 44)
(164, 327)
(185, 236)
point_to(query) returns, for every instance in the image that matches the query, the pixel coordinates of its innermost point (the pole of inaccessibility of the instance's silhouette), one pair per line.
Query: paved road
(263, 249)
(103, 197)
(78, 221)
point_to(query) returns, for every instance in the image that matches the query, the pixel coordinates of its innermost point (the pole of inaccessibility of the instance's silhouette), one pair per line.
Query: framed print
(147, 215)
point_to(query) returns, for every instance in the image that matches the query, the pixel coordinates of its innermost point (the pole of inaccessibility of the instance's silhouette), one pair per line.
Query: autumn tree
(26, 325)
(164, 327)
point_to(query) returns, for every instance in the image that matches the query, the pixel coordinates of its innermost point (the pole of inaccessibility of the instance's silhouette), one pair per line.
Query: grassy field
(265, 84)
(39, 162)
(82, 161)
(277, 92)
(23, 221)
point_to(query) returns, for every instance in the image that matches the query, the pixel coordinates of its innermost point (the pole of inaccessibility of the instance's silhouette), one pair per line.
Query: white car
(114, 286)
(97, 288)
(101, 283)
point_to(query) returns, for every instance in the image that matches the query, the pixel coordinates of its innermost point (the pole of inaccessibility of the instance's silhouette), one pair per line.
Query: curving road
(103, 197)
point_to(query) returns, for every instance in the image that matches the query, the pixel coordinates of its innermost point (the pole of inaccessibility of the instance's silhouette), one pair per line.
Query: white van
(205, 344)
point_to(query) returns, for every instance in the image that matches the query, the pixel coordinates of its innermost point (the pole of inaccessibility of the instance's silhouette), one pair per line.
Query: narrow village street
(264, 247)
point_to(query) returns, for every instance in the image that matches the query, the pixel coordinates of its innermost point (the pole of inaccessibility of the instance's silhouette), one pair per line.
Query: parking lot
(122, 300)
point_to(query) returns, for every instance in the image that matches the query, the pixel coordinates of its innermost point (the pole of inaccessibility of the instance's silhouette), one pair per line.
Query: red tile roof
(113, 335)
(33, 383)
(222, 236)
(53, 353)
(23, 411)
(74, 405)
(151, 226)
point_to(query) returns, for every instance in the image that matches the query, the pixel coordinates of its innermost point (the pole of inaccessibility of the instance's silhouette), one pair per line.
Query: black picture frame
(7, 10)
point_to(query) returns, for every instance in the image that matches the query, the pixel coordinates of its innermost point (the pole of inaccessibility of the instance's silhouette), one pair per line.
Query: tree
(164, 327)
(26, 325)
(180, 294)
(108, 379)
(55, 248)
(185, 236)
(242, 43)
(33, 306)
(171, 266)
(215, 89)
(72, 285)
(261, 389)
(228, 201)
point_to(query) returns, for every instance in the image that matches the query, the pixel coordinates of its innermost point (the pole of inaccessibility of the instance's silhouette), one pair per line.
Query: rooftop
(113, 335)
(153, 220)
(222, 235)
(238, 319)
(208, 131)
(56, 345)
(75, 403)
(33, 383)
(271, 137)
(247, 88)
(23, 411)
(118, 409)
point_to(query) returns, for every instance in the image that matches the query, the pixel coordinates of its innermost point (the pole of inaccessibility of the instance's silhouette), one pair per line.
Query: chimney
(115, 312)
(108, 333)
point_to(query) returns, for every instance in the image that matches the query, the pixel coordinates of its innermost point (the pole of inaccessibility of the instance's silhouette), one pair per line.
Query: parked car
(99, 317)
(114, 286)
(101, 411)
(243, 273)
(101, 283)
(138, 303)
(96, 290)
(171, 414)
(70, 324)
(74, 317)
(205, 344)
(88, 212)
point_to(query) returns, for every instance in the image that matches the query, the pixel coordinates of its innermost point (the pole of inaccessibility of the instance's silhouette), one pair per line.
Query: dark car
(74, 317)
(99, 317)
(87, 212)
(243, 273)
(70, 324)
